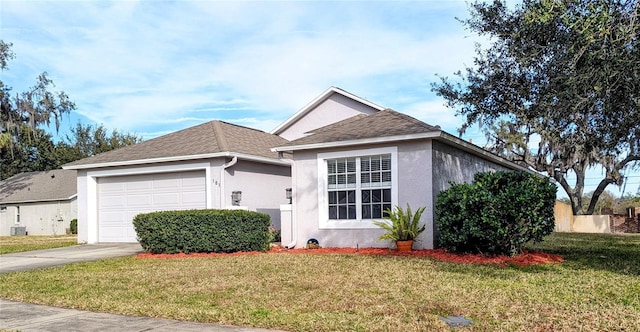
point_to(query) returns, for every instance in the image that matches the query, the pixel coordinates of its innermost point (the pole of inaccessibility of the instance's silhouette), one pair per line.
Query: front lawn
(9, 244)
(596, 288)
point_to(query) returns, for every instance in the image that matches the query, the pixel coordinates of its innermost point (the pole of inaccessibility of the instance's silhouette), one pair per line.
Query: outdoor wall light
(236, 197)
(288, 194)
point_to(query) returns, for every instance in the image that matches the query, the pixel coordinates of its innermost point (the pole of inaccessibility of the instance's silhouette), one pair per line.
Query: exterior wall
(591, 224)
(336, 108)
(451, 164)
(262, 185)
(414, 187)
(88, 188)
(7, 219)
(40, 218)
(83, 207)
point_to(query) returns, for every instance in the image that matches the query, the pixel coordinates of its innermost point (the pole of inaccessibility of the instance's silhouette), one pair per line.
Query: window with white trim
(358, 188)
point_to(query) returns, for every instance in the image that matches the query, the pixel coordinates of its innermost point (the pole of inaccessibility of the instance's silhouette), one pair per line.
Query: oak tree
(556, 89)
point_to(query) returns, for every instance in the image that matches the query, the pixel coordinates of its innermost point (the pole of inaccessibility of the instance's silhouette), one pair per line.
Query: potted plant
(401, 226)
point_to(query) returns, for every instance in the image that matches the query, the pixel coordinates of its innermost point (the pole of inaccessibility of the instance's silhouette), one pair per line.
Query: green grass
(9, 244)
(597, 288)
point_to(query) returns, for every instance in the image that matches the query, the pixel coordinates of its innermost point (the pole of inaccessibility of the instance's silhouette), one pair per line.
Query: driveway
(30, 260)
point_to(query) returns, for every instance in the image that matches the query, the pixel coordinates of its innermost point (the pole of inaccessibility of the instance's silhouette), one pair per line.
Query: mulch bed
(527, 258)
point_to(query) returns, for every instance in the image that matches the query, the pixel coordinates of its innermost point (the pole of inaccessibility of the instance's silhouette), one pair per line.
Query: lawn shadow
(618, 253)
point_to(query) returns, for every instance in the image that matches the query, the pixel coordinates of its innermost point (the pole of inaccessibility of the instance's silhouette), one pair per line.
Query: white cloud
(130, 64)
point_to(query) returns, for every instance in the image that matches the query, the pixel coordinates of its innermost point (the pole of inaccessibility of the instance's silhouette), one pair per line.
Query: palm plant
(401, 225)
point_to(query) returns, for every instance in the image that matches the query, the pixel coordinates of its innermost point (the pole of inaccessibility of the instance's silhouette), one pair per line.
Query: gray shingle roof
(52, 185)
(207, 138)
(382, 124)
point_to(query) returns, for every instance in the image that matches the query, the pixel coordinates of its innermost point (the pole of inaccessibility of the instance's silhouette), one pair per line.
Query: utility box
(18, 230)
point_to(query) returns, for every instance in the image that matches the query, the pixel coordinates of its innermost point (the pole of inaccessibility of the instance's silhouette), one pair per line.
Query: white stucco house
(345, 158)
(38, 203)
(346, 173)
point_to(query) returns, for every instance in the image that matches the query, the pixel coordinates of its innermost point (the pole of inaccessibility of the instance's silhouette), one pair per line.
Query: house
(345, 158)
(345, 174)
(195, 168)
(38, 203)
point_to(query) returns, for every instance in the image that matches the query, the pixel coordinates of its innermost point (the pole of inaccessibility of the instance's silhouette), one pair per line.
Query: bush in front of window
(496, 214)
(220, 231)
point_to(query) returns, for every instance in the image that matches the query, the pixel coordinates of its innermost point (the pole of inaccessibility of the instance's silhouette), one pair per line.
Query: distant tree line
(25, 146)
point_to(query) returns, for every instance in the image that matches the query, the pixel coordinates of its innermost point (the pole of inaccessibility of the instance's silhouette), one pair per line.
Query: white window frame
(323, 199)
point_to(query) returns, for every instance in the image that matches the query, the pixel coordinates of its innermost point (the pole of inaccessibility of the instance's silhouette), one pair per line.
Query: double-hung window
(356, 186)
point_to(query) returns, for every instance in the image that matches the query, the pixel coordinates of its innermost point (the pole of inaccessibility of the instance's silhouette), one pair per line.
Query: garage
(121, 198)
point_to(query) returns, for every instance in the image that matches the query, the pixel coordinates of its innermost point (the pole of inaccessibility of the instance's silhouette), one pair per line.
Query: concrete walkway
(30, 260)
(31, 317)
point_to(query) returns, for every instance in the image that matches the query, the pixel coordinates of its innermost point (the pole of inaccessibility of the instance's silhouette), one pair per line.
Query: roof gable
(344, 106)
(202, 140)
(55, 185)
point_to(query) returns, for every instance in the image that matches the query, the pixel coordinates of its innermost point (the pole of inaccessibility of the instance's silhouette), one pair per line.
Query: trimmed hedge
(220, 231)
(496, 214)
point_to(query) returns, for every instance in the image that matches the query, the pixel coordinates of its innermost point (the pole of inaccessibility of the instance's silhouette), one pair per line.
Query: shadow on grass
(619, 253)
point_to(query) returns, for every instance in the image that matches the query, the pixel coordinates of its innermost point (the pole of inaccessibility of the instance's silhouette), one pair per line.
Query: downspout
(233, 161)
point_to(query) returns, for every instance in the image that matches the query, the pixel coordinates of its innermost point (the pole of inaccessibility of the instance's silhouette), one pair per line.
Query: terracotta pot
(404, 245)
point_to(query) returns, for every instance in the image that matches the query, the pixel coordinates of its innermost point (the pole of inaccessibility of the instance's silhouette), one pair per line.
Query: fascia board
(181, 158)
(48, 200)
(148, 161)
(374, 140)
(264, 160)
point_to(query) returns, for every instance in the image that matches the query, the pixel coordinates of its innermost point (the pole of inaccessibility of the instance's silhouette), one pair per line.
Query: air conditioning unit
(18, 230)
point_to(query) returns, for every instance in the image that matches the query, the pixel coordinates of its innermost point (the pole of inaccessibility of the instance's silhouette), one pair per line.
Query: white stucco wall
(88, 186)
(262, 185)
(455, 165)
(414, 187)
(39, 218)
(336, 108)
(450, 164)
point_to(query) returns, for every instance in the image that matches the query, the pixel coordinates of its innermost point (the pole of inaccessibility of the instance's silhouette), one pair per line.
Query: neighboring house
(195, 168)
(41, 203)
(345, 174)
(345, 158)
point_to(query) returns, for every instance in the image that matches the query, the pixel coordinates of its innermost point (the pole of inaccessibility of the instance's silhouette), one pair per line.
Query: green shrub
(275, 235)
(203, 231)
(496, 214)
(73, 226)
(401, 225)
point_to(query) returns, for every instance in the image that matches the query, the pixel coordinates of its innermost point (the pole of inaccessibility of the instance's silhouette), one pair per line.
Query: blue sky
(153, 67)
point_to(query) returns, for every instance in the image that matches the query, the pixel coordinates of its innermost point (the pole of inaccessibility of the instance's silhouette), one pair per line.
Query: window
(356, 187)
(3, 209)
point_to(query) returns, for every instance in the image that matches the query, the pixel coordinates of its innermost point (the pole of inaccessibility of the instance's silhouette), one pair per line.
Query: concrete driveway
(30, 260)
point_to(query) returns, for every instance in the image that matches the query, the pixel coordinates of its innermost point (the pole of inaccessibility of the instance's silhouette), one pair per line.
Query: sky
(154, 67)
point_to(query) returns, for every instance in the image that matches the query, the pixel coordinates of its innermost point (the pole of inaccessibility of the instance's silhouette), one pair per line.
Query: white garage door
(121, 198)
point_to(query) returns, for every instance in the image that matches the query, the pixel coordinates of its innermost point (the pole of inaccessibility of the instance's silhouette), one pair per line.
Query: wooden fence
(567, 222)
